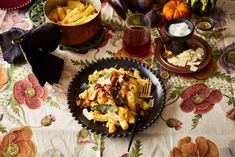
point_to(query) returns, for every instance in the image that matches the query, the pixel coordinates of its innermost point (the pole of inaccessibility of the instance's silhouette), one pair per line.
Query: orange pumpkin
(176, 9)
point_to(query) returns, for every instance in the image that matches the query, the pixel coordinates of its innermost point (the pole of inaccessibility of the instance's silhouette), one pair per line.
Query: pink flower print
(83, 136)
(199, 99)
(29, 92)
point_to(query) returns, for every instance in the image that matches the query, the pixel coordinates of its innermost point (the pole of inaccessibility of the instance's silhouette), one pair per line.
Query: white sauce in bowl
(179, 29)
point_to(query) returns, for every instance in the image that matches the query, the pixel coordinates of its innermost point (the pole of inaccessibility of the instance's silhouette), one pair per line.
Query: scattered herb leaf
(102, 107)
(117, 97)
(84, 86)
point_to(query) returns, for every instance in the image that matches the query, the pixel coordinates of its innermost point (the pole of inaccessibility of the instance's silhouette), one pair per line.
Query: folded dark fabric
(11, 53)
(45, 66)
(34, 46)
(45, 37)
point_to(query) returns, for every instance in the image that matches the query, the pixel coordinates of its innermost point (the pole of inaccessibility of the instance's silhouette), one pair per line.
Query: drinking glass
(137, 36)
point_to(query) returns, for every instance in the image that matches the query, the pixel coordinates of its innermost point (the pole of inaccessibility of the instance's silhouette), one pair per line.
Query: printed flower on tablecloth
(30, 92)
(199, 99)
(174, 123)
(13, 19)
(201, 148)
(227, 59)
(219, 17)
(4, 79)
(47, 120)
(18, 143)
(231, 114)
(83, 136)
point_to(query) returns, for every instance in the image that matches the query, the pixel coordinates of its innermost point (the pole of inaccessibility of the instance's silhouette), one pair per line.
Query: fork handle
(160, 36)
(133, 132)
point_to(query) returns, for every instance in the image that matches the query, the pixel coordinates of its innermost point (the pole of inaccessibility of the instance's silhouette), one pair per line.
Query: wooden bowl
(194, 42)
(76, 34)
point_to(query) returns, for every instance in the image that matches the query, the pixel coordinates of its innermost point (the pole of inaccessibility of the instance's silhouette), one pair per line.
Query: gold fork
(146, 90)
(145, 94)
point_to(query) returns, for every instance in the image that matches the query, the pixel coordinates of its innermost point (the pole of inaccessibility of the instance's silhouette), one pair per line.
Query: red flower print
(199, 99)
(30, 92)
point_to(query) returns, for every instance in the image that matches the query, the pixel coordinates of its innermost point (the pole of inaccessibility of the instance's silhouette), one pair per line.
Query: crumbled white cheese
(87, 114)
(179, 29)
(189, 58)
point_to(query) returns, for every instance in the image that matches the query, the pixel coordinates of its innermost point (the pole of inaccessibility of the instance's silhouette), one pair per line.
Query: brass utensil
(166, 53)
(145, 92)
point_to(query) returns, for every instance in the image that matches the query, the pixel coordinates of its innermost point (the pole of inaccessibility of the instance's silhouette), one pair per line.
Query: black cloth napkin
(11, 53)
(35, 46)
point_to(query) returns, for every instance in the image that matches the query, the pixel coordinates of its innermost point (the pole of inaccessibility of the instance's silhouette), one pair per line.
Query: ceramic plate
(158, 92)
(194, 42)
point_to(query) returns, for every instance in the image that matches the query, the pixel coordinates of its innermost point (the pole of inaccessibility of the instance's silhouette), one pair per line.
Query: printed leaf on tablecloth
(99, 144)
(53, 103)
(196, 120)
(222, 76)
(136, 151)
(80, 62)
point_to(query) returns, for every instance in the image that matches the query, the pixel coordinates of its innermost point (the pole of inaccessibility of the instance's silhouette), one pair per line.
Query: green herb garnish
(102, 107)
(117, 97)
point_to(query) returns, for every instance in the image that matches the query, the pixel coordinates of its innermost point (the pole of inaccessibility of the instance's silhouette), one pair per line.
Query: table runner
(43, 126)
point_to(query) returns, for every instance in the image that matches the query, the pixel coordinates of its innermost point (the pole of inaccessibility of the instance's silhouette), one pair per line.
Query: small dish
(204, 24)
(193, 43)
(179, 43)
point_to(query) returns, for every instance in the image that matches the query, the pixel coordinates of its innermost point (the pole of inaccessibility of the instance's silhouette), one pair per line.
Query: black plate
(158, 92)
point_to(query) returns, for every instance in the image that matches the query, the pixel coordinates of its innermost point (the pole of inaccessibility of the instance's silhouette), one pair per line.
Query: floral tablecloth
(198, 118)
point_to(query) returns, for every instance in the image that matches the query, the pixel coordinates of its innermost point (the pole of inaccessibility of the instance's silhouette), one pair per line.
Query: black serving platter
(158, 92)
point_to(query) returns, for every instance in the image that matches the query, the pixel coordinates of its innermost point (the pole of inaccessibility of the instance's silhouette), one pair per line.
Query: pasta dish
(113, 96)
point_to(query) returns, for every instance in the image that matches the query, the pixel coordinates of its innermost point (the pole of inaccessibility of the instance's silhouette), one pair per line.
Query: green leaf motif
(80, 62)
(217, 53)
(172, 95)
(221, 76)
(99, 144)
(15, 109)
(113, 25)
(153, 63)
(2, 129)
(136, 151)
(110, 53)
(231, 101)
(195, 120)
(52, 103)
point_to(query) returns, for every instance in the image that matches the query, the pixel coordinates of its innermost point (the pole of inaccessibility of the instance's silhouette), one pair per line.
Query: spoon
(166, 53)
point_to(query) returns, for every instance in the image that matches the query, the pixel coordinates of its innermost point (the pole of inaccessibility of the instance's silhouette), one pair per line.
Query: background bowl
(179, 43)
(76, 34)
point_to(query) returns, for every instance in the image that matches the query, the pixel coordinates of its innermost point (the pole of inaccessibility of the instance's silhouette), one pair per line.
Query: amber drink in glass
(137, 36)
